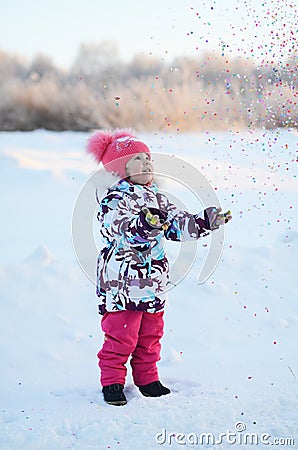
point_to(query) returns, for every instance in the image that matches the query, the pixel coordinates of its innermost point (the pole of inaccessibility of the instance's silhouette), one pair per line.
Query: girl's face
(139, 169)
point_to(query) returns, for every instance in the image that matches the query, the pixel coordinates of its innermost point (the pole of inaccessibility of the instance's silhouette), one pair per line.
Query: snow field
(230, 345)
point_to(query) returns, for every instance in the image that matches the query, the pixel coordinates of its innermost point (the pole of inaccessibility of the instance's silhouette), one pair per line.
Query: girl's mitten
(155, 218)
(214, 218)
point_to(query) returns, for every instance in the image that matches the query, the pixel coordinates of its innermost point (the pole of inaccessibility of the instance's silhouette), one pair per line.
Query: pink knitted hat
(115, 149)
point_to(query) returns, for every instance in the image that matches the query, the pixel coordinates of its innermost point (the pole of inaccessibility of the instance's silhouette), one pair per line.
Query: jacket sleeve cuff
(206, 221)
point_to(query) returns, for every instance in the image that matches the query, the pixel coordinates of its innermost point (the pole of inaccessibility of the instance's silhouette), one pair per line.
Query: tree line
(99, 90)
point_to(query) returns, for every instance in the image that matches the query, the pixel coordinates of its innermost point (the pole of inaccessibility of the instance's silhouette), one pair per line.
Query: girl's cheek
(137, 168)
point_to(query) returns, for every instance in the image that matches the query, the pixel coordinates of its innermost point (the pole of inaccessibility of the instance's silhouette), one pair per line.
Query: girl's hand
(155, 218)
(215, 218)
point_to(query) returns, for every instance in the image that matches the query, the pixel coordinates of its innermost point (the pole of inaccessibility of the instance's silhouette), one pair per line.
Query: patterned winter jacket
(132, 268)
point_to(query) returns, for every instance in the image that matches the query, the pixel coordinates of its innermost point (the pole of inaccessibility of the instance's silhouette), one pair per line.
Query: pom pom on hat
(99, 141)
(115, 149)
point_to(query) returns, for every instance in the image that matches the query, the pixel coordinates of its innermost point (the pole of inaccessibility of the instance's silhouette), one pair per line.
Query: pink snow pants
(134, 333)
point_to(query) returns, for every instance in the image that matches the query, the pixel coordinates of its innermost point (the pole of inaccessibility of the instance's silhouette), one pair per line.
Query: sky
(160, 28)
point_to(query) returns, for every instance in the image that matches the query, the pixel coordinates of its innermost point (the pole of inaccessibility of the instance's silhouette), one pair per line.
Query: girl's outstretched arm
(184, 226)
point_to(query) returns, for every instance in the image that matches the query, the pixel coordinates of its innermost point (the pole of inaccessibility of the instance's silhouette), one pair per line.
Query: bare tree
(92, 58)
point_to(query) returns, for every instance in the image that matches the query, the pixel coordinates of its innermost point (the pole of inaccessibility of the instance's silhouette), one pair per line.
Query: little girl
(132, 269)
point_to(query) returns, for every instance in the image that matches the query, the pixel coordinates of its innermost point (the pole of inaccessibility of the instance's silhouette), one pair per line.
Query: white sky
(163, 28)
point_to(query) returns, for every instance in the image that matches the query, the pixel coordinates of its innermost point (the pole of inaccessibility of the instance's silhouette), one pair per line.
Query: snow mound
(41, 255)
(288, 236)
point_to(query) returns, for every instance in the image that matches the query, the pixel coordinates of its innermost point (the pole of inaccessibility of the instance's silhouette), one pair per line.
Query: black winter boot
(113, 394)
(155, 389)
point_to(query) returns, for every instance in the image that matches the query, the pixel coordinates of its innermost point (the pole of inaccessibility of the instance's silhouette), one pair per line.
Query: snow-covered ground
(230, 345)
